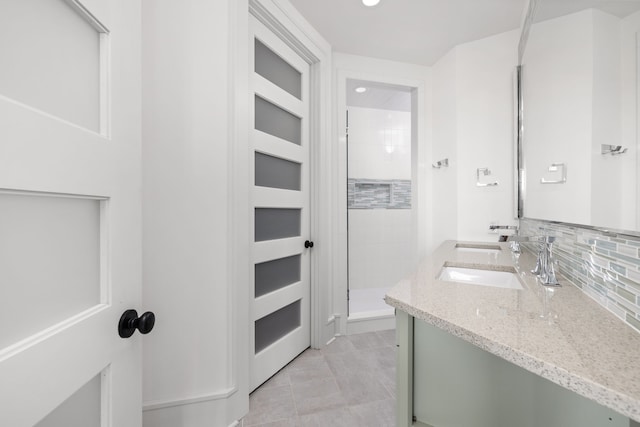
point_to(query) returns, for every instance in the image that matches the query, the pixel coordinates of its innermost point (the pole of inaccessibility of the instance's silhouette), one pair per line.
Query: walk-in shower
(379, 194)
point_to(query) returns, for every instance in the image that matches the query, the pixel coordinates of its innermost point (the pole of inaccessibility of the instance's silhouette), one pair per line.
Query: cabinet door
(458, 384)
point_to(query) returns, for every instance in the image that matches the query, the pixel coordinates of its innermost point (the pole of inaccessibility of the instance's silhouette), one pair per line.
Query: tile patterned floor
(351, 382)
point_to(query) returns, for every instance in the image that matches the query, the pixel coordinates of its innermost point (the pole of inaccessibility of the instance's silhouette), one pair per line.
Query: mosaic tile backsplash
(605, 266)
(378, 193)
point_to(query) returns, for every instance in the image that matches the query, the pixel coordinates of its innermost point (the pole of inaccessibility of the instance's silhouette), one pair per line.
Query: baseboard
(362, 324)
(152, 406)
(198, 411)
(369, 315)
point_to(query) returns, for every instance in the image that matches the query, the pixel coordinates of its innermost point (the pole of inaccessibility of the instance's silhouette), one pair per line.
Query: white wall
(473, 127)
(485, 133)
(379, 240)
(445, 146)
(379, 144)
(606, 171)
(187, 360)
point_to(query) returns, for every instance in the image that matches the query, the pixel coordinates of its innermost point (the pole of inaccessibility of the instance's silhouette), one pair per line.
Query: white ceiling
(414, 31)
(378, 95)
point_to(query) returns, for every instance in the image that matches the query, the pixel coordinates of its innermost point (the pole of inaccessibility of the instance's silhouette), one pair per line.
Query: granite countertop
(558, 333)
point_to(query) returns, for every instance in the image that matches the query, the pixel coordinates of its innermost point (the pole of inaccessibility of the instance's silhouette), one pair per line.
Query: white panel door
(70, 261)
(280, 305)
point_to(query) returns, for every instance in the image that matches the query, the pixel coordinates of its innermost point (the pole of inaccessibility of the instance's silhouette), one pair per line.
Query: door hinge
(347, 124)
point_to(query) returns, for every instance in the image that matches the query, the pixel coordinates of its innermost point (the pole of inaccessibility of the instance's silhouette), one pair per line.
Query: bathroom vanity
(518, 354)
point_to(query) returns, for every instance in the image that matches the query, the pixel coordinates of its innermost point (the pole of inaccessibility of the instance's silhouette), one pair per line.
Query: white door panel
(57, 51)
(50, 252)
(276, 198)
(70, 208)
(265, 251)
(268, 144)
(269, 91)
(273, 301)
(84, 407)
(280, 204)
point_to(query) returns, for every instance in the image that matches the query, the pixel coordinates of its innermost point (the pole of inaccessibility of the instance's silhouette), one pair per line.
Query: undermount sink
(500, 277)
(478, 248)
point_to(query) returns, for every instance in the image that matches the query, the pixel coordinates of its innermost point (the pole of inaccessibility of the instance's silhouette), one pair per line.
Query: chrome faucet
(544, 268)
(503, 227)
(503, 238)
(544, 265)
(516, 239)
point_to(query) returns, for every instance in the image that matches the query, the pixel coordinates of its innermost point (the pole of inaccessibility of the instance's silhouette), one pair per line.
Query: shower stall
(379, 195)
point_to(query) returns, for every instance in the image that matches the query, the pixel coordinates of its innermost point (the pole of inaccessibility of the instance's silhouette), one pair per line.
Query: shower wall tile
(378, 193)
(606, 266)
(378, 239)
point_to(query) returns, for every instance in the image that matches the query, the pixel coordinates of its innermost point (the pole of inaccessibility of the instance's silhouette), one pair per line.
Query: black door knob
(129, 322)
(308, 244)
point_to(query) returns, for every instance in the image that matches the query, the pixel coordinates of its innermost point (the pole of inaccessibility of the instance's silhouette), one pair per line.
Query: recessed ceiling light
(361, 89)
(370, 2)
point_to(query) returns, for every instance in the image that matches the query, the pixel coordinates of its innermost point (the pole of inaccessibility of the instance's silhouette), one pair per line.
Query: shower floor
(368, 303)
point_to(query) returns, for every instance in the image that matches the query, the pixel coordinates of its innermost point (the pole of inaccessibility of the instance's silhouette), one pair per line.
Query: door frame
(287, 23)
(636, 83)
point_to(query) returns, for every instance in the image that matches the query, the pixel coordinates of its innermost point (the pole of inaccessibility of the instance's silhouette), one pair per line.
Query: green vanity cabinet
(444, 381)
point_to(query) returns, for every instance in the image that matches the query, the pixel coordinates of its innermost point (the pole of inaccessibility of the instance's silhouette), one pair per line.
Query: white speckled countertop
(558, 333)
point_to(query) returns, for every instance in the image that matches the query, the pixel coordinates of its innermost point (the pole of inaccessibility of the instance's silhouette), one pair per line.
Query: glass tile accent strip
(276, 223)
(275, 172)
(276, 325)
(606, 266)
(275, 69)
(276, 274)
(271, 119)
(378, 193)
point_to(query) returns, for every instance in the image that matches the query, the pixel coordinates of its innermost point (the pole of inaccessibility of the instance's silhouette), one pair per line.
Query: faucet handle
(538, 268)
(547, 271)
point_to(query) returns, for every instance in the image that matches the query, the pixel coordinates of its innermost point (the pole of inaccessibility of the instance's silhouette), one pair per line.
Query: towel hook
(441, 163)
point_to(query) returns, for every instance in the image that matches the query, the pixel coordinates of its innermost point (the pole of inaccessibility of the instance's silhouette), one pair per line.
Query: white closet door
(280, 305)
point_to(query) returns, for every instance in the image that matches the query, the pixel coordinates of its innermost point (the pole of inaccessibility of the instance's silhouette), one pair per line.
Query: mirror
(579, 113)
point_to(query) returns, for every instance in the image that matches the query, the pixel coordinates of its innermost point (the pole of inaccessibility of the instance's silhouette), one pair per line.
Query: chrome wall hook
(614, 150)
(441, 163)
